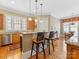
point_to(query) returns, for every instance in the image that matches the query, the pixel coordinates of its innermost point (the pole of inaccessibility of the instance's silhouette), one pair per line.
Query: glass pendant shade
(36, 20)
(30, 19)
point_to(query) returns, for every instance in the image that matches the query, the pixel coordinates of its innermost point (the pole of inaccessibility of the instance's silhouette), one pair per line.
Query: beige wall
(55, 24)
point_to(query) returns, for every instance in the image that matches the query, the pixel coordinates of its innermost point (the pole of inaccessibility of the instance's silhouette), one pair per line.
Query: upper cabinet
(1, 21)
(31, 25)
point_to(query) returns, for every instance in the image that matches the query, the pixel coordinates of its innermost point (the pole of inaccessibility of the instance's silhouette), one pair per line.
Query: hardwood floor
(59, 53)
(6, 53)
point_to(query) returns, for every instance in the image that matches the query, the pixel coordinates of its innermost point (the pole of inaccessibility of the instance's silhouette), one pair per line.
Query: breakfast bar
(27, 40)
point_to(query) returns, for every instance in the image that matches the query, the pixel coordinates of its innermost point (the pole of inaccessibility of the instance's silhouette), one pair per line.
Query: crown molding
(10, 10)
(76, 15)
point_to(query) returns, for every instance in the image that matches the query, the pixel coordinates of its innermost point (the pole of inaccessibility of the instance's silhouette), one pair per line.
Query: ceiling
(57, 8)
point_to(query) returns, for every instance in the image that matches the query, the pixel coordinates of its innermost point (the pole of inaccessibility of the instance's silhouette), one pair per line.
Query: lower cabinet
(0, 40)
(16, 38)
(75, 54)
(72, 52)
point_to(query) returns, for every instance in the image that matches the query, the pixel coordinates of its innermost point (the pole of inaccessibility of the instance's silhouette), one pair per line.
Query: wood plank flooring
(6, 53)
(59, 53)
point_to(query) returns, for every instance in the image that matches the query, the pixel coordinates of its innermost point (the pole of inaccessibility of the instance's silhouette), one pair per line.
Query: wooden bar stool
(50, 38)
(68, 35)
(21, 43)
(39, 40)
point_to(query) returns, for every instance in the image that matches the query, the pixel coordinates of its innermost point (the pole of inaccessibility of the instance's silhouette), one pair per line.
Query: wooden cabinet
(1, 21)
(0, 39)
(75, 54)
(16, 38)
(72, 52)
(31, 25)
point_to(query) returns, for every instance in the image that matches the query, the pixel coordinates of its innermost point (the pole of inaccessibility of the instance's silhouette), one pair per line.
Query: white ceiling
(58, 8)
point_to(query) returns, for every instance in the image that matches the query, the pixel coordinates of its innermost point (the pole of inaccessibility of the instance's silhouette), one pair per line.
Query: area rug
(14, 47)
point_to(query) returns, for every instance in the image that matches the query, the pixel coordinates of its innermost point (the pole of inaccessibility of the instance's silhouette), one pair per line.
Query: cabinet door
(16, 38)
(1, 21)
(68, 52)
(31, 25)
(75, 54)
(0, 39)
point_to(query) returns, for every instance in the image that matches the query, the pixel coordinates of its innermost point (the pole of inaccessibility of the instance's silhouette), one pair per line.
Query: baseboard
(7, 44)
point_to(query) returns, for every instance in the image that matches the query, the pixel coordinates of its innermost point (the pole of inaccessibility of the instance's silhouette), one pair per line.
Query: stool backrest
(21, 43)
(51, 34)
(40, 36)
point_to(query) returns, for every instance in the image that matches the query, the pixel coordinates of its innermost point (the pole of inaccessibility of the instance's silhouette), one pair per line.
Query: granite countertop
(23, 32)
(30, 32)
(74, 40)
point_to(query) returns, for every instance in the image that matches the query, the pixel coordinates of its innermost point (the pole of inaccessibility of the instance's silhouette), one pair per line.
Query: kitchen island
(73, 48)
(27, 40)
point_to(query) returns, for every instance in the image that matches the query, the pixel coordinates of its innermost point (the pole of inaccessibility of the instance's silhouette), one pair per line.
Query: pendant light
(36, 1)
(72, 20)
(70, 25)
(41, 8)
(41, 21)
(29, 18)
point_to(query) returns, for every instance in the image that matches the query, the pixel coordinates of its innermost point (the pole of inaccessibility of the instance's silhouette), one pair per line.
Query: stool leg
(52, 44)
(49, 46)
(44, 41)
(32, 49)
(43, 49)
(37, 50)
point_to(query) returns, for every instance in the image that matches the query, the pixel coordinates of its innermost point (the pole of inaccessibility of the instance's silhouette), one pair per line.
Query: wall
(43, 23)
(55, 24)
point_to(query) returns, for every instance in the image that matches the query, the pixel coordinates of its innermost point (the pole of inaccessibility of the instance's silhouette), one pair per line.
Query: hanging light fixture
(36, 1)
(71, 23)
(29, 18)
(41, 8)
(72, 20)
(41, 21)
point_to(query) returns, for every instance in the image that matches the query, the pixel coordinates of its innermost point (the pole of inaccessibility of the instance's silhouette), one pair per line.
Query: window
(8, 23)
(71, 27)
(16, 23)
(66, 27)
(23, 24)
(74, 28)
(43, 24)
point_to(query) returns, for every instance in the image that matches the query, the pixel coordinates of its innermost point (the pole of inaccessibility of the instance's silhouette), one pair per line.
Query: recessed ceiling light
(12, 2)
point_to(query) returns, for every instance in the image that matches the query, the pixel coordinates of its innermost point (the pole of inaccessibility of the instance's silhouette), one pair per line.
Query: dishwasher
(6, 39)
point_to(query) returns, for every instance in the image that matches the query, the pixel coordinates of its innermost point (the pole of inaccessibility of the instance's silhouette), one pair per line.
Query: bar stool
(50, 38)
(68, 35)
(39, 40)
(21, 43)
